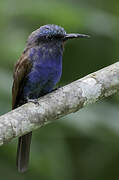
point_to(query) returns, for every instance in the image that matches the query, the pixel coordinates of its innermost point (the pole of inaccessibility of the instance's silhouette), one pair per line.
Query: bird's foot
(35, 101)
(56, 88)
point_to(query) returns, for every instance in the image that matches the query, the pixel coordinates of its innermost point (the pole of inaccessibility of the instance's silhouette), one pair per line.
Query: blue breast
(45, 73)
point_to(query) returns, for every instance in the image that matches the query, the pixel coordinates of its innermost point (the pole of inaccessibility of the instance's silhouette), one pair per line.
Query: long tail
(23, 151)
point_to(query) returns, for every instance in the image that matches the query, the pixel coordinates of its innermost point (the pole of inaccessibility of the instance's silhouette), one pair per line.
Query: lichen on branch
(59, 103)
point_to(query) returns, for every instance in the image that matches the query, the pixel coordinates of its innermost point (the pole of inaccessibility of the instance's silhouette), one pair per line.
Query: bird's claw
(56, 88)
(35, 101)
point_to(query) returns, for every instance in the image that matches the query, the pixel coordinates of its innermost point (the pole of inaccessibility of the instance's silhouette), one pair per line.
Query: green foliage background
(83, 145)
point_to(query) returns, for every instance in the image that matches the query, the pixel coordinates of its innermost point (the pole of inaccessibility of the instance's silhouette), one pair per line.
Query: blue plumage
(36, 73)
(46, 59)
(45, 72)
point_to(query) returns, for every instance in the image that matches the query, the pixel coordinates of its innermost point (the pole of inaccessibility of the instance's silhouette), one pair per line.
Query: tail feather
(23, 151)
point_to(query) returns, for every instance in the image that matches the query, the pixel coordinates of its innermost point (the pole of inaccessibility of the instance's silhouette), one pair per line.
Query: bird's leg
(35, 101)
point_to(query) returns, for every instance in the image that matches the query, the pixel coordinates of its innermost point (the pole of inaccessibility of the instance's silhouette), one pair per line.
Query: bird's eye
(59, 36)
(56, 36)
(50, 37)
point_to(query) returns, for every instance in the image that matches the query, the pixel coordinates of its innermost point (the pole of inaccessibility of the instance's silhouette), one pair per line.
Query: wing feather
(21, 71)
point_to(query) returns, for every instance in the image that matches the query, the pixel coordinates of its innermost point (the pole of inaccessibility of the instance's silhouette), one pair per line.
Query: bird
(36, 73)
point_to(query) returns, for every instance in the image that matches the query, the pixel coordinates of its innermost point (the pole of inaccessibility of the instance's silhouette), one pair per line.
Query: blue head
(52, 34)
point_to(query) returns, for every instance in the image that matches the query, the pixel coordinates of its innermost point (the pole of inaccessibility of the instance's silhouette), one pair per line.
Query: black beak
(72, 36)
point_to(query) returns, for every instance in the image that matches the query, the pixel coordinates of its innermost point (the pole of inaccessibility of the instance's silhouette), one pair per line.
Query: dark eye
(50, 37)
(59, 36)
(56, 36)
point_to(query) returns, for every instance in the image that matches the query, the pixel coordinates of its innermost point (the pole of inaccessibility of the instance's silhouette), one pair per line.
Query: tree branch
(59, 103)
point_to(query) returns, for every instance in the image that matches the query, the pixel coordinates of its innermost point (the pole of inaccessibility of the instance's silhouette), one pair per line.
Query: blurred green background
(83, 145)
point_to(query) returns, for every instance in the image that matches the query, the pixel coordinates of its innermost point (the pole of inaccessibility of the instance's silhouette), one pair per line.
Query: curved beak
(72, 36)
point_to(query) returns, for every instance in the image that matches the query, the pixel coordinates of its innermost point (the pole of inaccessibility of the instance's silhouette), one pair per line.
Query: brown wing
(22, 68)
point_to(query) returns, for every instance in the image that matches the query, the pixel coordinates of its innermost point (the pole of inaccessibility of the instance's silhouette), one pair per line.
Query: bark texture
(59, 103)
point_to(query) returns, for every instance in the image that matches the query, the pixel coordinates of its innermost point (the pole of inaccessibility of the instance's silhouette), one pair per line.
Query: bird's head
(51, 33)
